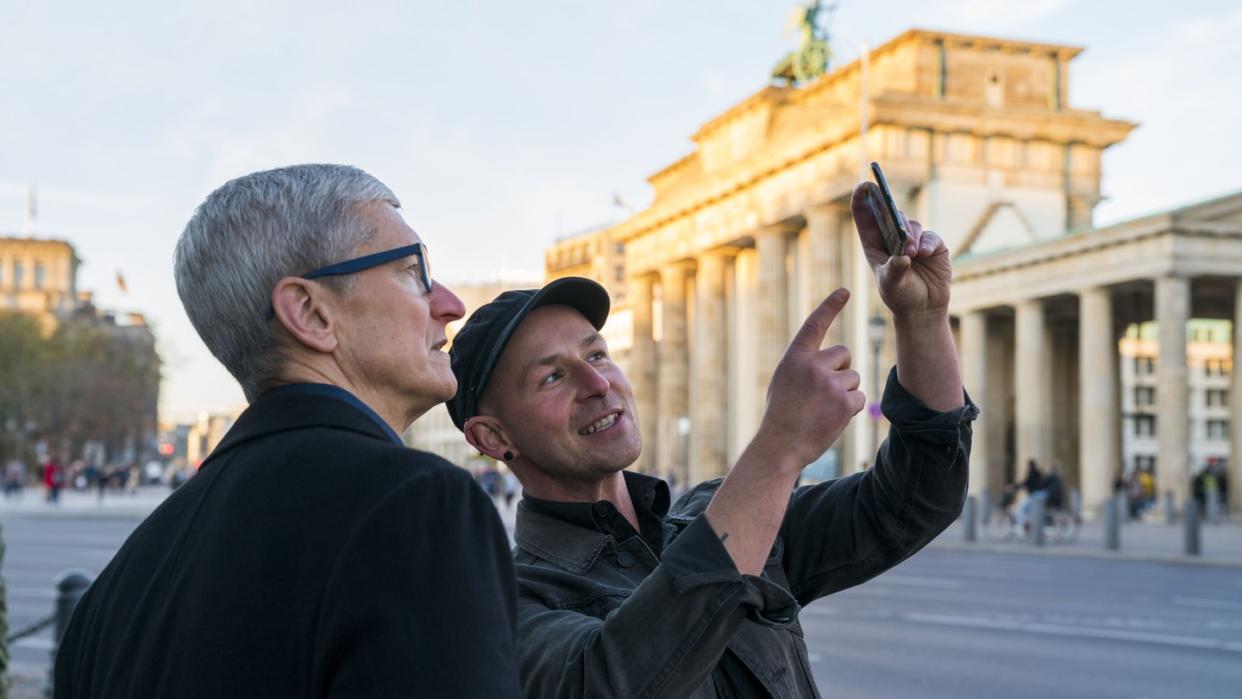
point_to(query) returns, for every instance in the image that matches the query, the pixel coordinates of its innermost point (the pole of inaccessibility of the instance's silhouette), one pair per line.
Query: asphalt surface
(945, 623)
(966, 624)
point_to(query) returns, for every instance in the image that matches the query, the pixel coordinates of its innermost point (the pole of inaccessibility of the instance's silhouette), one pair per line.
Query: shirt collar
(649, 495)
(330, 391)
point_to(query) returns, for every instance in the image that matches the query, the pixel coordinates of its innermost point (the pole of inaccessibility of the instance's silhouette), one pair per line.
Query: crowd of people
(54, 477)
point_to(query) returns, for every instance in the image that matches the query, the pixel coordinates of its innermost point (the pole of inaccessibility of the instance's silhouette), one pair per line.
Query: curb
(137, 512)
(1137, 557)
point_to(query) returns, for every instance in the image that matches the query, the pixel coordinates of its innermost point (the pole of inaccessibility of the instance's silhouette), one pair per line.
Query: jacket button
(625, 559)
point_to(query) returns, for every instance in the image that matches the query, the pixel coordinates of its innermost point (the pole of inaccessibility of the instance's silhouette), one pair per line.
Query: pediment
(1000, 226)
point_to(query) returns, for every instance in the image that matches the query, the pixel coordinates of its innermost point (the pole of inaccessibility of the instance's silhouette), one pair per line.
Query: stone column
(1234, 493)
(744, 402)
(1099, 460)
(1031, 377)
(642, 371)
(673, 374)
(773, 335)
(823, 257)
(709, 367)
(972, 355)
(1172, 391)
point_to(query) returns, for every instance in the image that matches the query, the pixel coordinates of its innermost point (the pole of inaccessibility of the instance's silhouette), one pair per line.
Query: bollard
(1036, 522)
(1191, 519)
(985, 512)
(1170, 513)
(70, 586)
(1112, 523)
(972, 505)
(1075, 499)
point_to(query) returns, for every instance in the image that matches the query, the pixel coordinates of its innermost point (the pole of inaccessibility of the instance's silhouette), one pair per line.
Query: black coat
(311, 556)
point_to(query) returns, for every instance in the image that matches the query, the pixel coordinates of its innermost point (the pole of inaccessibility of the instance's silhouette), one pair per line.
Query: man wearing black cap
(620, 597)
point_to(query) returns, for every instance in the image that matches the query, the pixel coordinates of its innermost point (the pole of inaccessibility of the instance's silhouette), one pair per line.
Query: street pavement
(955, 620)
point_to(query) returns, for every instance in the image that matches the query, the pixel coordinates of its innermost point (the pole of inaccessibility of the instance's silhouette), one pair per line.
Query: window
(1144, 396)
(1145, 425)
(1216, 397)
(1145, 463)
(19, 273)
(1214, 367)
(1217, 429)
(40, 275)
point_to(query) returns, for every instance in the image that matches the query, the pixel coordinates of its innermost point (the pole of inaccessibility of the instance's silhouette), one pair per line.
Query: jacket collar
(554, 533)
(282, 411)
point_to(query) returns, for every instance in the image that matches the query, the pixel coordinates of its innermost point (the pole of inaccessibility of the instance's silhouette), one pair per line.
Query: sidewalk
(87, 503)
(1220, 544)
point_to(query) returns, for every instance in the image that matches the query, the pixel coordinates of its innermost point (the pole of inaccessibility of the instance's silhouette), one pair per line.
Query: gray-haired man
(313, 554)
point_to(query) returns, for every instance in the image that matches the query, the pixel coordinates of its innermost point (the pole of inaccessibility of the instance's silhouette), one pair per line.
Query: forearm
(927, 363)
(747, 511)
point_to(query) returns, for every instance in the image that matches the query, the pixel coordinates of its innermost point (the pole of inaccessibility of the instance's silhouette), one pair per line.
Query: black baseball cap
(477, 347)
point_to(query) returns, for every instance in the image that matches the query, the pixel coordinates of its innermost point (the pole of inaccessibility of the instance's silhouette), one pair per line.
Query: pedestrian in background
(313, 554)
(53, 480)
(14, 478)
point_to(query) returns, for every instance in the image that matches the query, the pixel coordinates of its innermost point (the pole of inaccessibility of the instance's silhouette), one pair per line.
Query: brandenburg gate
(752, 229)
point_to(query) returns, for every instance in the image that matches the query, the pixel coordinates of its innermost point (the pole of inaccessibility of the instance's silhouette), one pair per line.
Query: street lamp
(877, 328)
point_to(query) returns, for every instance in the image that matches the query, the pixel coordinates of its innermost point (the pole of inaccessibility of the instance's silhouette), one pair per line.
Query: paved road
(944, 624)
(39, 547)
(965, 624)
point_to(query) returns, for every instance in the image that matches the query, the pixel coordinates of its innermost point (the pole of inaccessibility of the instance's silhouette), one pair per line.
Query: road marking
(916, 581)
(1204, 603)
(35, 642)
(1081, 632)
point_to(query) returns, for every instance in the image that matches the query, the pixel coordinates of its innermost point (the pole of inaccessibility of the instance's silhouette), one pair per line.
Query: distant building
(1209, 359)
(38, 278)
(204, 434)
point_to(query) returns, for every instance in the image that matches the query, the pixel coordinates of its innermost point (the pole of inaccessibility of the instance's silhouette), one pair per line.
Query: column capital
(828, 207)
(1103, 288)
(726, 251)
(677, 266)
(778, 228)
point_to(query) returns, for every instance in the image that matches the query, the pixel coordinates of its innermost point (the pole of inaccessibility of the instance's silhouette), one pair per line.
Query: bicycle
(1060, 526)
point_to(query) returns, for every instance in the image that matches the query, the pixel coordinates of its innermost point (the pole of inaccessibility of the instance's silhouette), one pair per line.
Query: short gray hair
(250, 233)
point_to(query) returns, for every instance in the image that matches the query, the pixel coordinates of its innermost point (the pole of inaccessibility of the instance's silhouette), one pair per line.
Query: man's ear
(300, 309)
(486, 434)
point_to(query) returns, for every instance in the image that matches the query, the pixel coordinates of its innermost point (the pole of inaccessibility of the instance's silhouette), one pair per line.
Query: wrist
(771, 455)
(921, 320)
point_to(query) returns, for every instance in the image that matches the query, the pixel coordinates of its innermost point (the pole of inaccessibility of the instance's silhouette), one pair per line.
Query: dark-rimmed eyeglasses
(376, 259)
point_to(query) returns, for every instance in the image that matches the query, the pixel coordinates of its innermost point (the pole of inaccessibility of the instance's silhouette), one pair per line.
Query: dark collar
(330, 391)
(293, 407)
(572, 534)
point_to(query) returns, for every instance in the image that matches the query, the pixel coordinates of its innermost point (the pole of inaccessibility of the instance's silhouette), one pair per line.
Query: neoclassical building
(38, 277)
(751, 229)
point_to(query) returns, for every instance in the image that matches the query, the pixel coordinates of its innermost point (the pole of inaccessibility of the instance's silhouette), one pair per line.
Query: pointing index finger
(811, 335)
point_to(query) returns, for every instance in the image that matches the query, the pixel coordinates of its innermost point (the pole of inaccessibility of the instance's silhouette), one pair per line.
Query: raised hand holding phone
(914, 283)
(911, 265)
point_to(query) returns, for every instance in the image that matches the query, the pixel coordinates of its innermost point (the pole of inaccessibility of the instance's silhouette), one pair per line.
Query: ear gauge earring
(508, 456)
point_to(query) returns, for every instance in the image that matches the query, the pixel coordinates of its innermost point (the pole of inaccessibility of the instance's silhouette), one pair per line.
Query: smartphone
(892, 223)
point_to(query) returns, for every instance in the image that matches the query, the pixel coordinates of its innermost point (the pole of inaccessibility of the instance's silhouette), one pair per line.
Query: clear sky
(500, 125)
